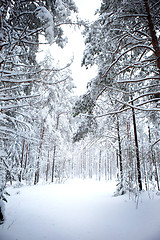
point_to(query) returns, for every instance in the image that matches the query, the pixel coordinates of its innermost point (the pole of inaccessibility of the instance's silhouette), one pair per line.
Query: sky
(87, 8)
(80, 75)
(76, 46)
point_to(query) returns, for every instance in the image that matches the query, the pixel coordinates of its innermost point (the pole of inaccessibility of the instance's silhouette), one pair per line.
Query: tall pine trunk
(154, 162)
(137, 149)
(53, 163)
(48, 166)
(100, 162)
(120, 154)
(54, 151)
(21, 162)
(37, 172)
(155, 42)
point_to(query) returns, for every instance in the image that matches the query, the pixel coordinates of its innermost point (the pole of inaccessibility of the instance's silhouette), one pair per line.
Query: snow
(45, 16)
(79, 210)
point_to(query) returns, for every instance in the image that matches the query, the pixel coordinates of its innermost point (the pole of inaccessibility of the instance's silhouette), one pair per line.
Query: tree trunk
(100, 153)
(129, 153)
(72, 166)
(37, 172)
(54, 150)
(90, 164)
(21, 163)
(36, 177)
(47, 170)
(137, 149)
(154, 162)
(84, 163)
(105, 166)
(53, 163)
(155, 42)
(117, 161)
(120, 155)
(26, 159)
(1, 216)
(156, 171)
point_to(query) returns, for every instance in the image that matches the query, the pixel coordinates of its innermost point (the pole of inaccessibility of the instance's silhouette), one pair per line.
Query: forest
(47, 133)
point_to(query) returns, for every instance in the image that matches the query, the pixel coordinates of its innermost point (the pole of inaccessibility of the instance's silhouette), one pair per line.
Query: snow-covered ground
(79, 210)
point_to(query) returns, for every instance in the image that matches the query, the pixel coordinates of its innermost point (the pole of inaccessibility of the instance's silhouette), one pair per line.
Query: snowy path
(79, 211)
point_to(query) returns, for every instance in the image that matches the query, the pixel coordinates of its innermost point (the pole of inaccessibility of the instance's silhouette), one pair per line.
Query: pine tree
(22, 25)
(124, 44)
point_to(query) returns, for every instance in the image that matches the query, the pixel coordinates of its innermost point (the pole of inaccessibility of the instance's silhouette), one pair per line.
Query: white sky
(80, 75)
(75, 47)
(87, 7)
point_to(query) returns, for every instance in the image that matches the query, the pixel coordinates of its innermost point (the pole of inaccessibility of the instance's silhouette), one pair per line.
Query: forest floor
(80, 210)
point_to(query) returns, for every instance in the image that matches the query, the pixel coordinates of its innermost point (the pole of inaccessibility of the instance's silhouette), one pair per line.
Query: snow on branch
(154, 5)
(9, 132)
(18, 98)
(138, 80)
(127, 108)
(72, 23)
(21, 81)
(5, 108)
(155, 143)
(144, 95)
(143, 33)
(47, 19)
(148, 101)
(11, 88)
(14, 120)
(132, 15)
(139, 64)
(135, 107)
(142, 88)
(128, 50)
(54, 83)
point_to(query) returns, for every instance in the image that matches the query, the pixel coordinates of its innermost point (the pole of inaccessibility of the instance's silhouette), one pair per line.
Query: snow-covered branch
(6, 108)
(144, 95)
(18, 98)
(128, 50)
(138, 80)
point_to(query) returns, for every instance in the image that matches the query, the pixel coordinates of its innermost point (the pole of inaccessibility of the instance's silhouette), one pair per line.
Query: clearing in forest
(79, 210)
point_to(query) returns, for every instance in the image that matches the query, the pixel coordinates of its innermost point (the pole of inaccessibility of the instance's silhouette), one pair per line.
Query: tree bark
(120, 154)
(155, 42)
(20, 174)
(154, 162)
(54, 150)
(53, 162)
(137, 149)
(37, 172)
(105, 166)
(100, 159)
(1, 216)
(90, 164)
(27, 153)
(47, 170)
